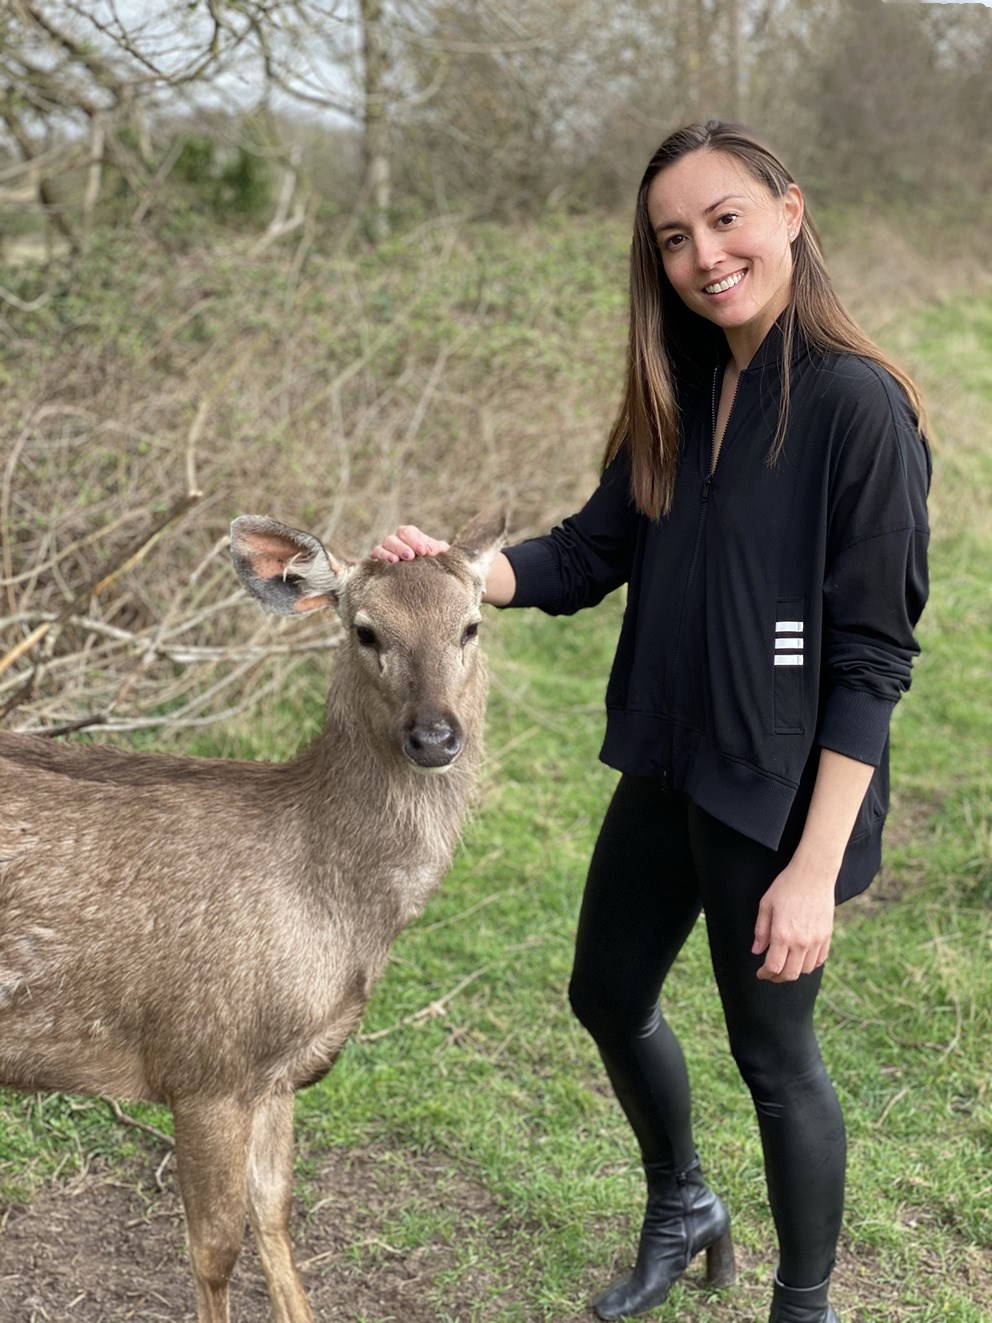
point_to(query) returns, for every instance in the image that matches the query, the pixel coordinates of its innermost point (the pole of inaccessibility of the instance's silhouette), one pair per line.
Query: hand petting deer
(206, 933)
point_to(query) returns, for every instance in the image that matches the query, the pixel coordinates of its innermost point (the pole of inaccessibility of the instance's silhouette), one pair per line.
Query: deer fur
(206, 933)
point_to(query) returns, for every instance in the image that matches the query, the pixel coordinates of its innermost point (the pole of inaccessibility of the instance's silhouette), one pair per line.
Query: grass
(498, 1081)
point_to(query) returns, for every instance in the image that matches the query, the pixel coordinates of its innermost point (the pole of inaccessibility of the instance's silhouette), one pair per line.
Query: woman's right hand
(406, 543)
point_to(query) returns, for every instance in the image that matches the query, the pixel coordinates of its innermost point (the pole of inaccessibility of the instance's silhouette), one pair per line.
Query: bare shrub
(152, 399)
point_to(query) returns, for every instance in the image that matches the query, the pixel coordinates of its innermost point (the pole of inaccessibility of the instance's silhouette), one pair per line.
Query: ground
(110, 1248)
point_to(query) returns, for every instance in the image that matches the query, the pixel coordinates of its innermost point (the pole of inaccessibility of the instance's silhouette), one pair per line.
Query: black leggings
(658, 862)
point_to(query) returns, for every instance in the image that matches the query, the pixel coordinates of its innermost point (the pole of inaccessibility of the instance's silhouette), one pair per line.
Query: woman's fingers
(793, 926)
(762, 929)
(784, 963)
(392, 548)
(779, 963)
(406, 543)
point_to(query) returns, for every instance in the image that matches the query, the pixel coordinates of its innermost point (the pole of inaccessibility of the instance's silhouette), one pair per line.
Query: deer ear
(289, 572)
(481, 539)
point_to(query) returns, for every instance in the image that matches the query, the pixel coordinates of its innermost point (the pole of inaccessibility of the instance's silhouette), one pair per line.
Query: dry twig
(123, 1117)
(432, 1010)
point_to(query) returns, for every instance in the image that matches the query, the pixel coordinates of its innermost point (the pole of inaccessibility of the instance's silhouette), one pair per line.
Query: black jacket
(771, 613)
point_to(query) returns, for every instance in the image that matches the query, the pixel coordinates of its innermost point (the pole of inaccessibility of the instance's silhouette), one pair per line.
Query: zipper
(700, 520)
(705, 496)
(682, 1179)
(730, 414)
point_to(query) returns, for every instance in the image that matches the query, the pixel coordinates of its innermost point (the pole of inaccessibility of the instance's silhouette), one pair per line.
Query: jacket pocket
(788, 670)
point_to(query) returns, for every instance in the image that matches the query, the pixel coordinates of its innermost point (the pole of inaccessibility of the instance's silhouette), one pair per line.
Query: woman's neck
(745, 341)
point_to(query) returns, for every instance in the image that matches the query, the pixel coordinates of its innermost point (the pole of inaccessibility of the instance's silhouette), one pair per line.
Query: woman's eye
(728, 217)
(673, 241)
(470, 631)
(366, 636)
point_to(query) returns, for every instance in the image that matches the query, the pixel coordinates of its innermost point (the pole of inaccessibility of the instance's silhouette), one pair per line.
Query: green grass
(500, 1083)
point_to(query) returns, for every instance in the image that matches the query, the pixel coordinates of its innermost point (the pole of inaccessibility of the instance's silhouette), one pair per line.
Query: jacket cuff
(535, 568)
(856, 724)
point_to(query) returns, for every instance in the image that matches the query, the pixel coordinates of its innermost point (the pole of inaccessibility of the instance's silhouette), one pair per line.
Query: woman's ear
(794, 207)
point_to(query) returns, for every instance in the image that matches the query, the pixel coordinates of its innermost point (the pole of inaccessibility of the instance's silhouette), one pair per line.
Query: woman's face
(725, 242)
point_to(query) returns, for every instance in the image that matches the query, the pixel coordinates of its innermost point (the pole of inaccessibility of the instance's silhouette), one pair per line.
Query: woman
(764, 497)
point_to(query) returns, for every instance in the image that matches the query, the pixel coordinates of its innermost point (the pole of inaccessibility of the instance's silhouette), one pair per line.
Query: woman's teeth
(721, 285)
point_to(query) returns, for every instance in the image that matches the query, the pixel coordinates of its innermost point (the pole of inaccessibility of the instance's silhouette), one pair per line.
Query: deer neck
(398, 824)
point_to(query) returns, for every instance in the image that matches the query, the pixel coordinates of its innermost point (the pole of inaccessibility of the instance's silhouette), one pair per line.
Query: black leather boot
(790, 1305)
(683, 1218)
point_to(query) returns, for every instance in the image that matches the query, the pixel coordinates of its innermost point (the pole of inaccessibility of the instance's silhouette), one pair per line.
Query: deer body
(207, 933)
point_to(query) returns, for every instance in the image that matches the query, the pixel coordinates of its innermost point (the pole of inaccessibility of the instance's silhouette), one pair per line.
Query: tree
(81, 86)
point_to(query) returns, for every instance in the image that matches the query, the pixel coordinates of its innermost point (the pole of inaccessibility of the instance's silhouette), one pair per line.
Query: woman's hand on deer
(406, 543)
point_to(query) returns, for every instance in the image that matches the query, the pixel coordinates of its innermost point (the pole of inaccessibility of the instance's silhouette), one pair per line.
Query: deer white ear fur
(287, 571)
(480, 541)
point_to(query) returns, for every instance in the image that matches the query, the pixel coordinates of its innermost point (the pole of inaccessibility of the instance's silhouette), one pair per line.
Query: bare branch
(29, 153)
(133, 1121)
(124, 560)
(24, 305)
(100, 70)
(433, 1010)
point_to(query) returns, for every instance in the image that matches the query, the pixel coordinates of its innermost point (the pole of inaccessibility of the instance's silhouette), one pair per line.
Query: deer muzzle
(432, 741)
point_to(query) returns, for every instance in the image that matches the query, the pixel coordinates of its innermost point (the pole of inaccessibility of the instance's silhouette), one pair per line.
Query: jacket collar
(769, 352)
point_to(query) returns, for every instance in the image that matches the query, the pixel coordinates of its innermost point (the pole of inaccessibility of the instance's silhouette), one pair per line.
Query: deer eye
(366, 637)
(470, 632)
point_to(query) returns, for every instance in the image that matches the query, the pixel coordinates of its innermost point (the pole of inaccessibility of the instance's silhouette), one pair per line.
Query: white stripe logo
(788, 643)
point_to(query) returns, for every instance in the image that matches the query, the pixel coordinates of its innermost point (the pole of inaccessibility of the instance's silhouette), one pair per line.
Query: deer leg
(212, 1143)
(270, 1189)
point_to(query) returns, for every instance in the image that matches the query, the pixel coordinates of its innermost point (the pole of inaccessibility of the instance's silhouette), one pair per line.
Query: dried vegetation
(153, 394)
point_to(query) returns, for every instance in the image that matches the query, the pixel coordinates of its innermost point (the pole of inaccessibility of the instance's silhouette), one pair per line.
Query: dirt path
(110, 1248)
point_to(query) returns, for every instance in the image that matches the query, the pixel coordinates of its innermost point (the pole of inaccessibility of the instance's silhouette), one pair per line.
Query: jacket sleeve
(875, 583)
(584, 557)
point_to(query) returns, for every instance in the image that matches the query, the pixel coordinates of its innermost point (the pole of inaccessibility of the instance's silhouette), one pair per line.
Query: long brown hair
(668, 341)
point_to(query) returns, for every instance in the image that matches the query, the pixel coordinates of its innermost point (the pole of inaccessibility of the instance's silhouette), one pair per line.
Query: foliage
(462, 106)
(237, 190)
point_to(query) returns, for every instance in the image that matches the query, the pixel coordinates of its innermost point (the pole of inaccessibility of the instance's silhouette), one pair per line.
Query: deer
(206, 933)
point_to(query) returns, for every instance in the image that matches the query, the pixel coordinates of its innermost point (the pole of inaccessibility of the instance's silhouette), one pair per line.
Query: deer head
(411, 629)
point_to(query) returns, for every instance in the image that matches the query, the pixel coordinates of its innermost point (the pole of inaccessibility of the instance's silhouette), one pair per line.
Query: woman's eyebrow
(679, 225)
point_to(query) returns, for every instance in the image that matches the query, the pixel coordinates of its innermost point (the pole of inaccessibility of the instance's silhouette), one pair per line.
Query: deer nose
(433, 743)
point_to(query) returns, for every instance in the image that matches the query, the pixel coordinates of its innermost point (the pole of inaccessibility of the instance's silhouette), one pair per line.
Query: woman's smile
(725, 284)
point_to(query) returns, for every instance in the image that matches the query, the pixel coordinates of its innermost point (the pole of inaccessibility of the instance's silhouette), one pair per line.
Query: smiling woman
(764, 498)
(728, 257)
(672, 332)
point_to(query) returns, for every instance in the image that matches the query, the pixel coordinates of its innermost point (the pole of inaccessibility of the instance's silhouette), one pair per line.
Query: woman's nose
(709, 250)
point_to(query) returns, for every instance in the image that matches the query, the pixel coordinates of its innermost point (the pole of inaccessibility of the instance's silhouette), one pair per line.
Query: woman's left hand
(796, 914)
(795, 922)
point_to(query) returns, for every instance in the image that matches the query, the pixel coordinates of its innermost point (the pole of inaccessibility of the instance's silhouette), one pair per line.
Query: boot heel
(720, 1267)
